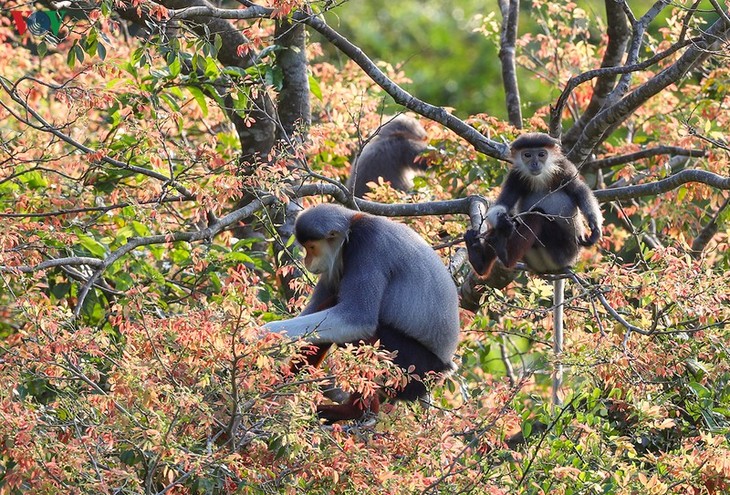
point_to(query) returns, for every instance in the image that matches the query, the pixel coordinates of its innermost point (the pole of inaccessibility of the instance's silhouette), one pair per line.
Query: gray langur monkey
(535, 217)
(378, 280)
(391, 154)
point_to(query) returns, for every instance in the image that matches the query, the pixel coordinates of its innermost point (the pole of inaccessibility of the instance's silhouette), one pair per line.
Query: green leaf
(199, 98)
(92, 245)
(240, 257)
(681, 194)
(175, 67)
(526, 428)
(34, 180)
(314, 87)
(42, 49)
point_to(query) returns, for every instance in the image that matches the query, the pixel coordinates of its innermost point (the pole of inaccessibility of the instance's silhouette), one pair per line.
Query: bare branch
(70, 261)
(638, 155)
(664, 185)
(508, 41)
(618, 38)
(91, 209)
(610, 118)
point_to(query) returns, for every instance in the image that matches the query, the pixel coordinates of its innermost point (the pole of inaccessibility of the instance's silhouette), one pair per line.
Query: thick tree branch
(293, 105)
(664, 185)
(507, 43)
(637, 41)
(610, 118)
(475, 138)
(618, 37)
(607, 73)
(257, 139)
(464, 206)
(700, 242)
(638, 155)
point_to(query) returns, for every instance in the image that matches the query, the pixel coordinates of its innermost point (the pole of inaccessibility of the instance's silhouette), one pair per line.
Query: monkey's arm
(326, 326)
(322, 298)
(354, 317)
(498, 214)
(588, 206)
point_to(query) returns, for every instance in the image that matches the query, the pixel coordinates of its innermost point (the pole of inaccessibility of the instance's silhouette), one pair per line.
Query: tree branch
(700, 242)
(637, 41)
(618, 39)
(257, 139)
(610, 118)
(638, 155)
(70, 261)
(293, 104)
(438, 114)
(607, 73)
(664, 185)
(508, 40)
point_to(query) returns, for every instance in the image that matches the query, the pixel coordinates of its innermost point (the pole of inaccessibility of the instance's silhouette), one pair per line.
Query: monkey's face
(534, 160)
(321, 254)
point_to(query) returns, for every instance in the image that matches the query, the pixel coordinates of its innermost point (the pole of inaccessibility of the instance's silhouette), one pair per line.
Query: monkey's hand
(498, 219)
(591, 239)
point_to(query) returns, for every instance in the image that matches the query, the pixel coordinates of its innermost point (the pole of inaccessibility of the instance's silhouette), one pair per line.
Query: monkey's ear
(332, 234)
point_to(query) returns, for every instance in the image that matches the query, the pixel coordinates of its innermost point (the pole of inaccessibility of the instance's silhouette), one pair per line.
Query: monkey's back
(390, 154)
(419, 297)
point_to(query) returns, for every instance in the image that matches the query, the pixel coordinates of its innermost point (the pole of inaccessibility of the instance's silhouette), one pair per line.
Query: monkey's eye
(542, 154)
(527, 154)
(311, 248)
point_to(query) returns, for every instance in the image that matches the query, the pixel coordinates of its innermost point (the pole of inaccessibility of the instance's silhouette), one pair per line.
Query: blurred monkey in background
(394, 154)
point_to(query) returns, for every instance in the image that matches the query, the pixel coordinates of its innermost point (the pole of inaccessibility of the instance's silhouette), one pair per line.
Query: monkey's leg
(528, 229)
(354, 408)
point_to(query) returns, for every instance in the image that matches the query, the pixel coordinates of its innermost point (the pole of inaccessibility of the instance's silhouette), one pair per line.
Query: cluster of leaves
(163, 382)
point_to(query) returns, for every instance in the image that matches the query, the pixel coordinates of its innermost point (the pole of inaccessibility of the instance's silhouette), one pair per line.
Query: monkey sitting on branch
(378, 281)
(393, 154)
(535, 218)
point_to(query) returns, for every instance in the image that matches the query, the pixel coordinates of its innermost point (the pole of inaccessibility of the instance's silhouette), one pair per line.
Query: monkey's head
(322, 230)
(536, 156)
(404, 127)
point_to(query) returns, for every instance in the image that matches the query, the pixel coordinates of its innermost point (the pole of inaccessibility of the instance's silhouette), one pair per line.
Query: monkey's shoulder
(384, 237)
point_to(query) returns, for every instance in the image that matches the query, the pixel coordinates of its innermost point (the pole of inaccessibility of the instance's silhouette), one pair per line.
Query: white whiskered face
(316, 256)
(537, 165)
(322, 255)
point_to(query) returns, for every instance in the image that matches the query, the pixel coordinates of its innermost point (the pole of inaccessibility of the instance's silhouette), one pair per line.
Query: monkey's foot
(354, 408)
(481, 254)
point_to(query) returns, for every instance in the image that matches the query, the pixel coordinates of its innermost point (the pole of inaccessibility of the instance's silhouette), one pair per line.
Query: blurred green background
(439, 46)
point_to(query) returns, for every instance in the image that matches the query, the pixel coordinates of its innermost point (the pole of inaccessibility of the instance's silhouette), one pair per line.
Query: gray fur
(556, 191)
(390, 154)
(391, 277)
